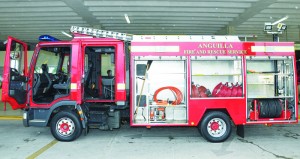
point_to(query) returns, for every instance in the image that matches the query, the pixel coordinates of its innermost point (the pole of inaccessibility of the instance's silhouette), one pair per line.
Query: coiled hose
(177, 94)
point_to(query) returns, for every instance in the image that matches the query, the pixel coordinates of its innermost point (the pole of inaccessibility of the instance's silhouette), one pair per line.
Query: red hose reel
(177, 94)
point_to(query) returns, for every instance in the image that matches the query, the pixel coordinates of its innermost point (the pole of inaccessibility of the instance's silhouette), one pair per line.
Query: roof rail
(100, 33)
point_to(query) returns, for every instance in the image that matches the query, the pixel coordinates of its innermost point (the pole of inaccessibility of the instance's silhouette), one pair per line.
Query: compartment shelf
(162, 122)
(166, 73)
(260, 83)
(173, 106)
(216, 75)
(268, 73)
(170, 121)
(265, 97)
(167, 113)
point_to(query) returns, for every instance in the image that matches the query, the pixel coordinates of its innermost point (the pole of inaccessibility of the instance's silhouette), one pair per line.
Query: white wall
(2, 54)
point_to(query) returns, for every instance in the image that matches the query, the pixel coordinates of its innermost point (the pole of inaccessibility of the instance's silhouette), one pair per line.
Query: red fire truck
(99, 77)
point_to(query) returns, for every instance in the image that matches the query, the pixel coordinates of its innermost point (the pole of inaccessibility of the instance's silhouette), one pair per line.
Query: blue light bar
(47, 38)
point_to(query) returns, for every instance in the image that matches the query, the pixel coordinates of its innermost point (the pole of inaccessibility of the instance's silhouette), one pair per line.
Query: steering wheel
(60, 76)
(14, 72)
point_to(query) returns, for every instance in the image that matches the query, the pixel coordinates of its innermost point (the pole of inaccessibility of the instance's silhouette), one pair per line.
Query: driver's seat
(42, 84)
(46, 76)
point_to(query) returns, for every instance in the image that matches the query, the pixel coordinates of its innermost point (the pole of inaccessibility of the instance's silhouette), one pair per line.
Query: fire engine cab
(99, 77)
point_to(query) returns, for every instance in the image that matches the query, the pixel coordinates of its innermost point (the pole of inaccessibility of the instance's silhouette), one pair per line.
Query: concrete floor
(278, 142)
(141, 143)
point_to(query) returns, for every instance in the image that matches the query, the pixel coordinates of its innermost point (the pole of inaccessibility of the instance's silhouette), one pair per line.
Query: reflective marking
(11, 118)
(272, 48)
(120, 103)
(121, 86)
(73, 85)
(154, 48)
(43, 149)
(185, 38)
(24, 116)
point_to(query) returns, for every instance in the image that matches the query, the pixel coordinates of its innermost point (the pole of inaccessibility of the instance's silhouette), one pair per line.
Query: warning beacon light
(47, 38)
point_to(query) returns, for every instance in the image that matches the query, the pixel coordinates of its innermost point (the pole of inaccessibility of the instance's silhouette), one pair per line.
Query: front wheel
(66, 126)
(215, 126)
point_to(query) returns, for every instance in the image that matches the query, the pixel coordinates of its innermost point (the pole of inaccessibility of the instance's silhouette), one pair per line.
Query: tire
(66, 126)
(215, 126)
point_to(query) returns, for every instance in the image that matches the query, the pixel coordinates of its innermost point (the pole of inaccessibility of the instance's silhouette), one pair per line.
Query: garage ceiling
(28, 19)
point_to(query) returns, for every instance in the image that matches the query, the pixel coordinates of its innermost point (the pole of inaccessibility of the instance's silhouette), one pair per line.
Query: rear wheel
(66, 126)
(215, 126)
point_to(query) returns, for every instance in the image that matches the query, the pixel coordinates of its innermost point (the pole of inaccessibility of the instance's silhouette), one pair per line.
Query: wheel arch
(224, 110)
(64, 105)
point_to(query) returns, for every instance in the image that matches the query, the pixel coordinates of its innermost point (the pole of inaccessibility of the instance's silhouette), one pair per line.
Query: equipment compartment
(270, 91)
(216, 76)
(160, 85)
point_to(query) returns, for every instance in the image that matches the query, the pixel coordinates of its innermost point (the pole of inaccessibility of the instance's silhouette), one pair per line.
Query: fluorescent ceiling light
(127, 18)
(280, 20)
(66, 34)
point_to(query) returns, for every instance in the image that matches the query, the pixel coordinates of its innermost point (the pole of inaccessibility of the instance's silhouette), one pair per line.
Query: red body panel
(234, 106)
(213, 49)
(6, 74)
(237, 106)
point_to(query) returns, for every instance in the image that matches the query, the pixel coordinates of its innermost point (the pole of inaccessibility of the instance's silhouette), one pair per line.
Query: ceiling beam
(167, 9)
(82, 11)
(157, 3)
(250, 12)
(35, 9)
(64, 18)
(256, 8)
(13, 4)
(32, 14)
(175, 14)
(187, 18)
(61, 22)
(150, 25)
(164, 22)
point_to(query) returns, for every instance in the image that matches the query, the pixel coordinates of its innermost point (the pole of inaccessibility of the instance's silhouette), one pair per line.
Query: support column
(275, 37)
(228, 30)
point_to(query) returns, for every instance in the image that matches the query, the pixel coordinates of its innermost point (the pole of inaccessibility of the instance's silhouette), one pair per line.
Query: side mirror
(1, 82)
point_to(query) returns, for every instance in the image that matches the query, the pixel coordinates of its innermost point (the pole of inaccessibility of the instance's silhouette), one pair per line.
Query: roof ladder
(100, 33)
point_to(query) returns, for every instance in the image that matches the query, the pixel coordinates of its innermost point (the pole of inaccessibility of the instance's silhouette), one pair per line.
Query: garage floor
(278, 142)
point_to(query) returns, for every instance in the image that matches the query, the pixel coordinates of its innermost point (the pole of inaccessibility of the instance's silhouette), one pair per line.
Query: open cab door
(14, 84)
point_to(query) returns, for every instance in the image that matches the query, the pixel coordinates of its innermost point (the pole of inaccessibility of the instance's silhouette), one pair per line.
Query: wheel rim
(65, 126)
(216, 127)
